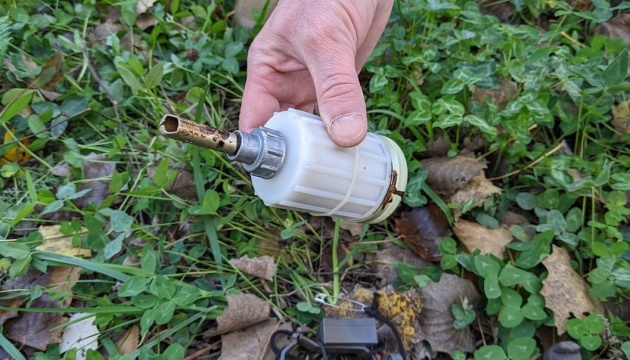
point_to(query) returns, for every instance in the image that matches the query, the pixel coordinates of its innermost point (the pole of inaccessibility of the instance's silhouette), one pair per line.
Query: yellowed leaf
(565, 291)
(621, 117)
(129, 343)
(63, 279)
(475, 236)
(56, 242)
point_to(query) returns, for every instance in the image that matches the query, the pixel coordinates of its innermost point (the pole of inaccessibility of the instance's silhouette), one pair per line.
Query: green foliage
(160, 241)
(587, 331)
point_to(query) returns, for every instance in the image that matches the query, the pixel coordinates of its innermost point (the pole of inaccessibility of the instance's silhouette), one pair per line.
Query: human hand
(309, 53)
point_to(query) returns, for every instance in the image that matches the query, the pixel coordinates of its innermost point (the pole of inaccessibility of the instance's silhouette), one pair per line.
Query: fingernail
(346, 129)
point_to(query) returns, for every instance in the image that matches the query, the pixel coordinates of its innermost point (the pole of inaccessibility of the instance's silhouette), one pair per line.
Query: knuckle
(337, 86)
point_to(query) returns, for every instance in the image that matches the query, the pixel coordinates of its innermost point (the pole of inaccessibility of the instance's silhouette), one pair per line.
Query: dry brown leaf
(61, 170)
(250, 343)
(56, 242)
(502, 10)
(501, 96)
(241, 311)
(385, 261)
(101, 31)
(565, 291)
(617, 27)
(436, 322)
(29, 65)
(32, 278)
(130, 341)
(183, 185)
(438, 147)
(63, 279)
(95, 167)
(621, 117)
(353, 227)
(34, 328)
(422, 229)
(145, 21)
(263, 266)
(447, 175)
(52, 72)
(475, 236)
(477, 189)
(143, 5)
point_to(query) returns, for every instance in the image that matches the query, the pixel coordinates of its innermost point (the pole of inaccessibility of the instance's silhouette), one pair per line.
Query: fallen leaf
(422, 229)
(402, 308)
(475, 236)
(565, 291)
(436, 322)
(241, 311)
(63, 279)
(513, 218)
(502, 10)
(145, 21)
(438, 147)
(95, 167)
(24, 71)
(56, 242)
(61, 170)
(355, 228)
(101, 31)
(243, 12)
(183, 185)
(506, 90)
(477, 189)
(263, 266)
(130, 341)
(15, 153)
(27, 281)
(81, 335)
(34, 328)
(617, 27)
(50, 95)
(621, 117)
(385, 261)
(447, 175)
(253, 342)
(143, 5)
(52, 72)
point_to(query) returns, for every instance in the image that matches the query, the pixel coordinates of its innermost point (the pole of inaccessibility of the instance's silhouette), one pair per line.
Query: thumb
(340, 100)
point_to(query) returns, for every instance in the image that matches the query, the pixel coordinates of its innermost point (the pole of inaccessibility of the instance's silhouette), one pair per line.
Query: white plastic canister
(363, 183)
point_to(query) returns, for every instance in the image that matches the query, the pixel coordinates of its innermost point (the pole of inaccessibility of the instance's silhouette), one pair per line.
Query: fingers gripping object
(295, 165)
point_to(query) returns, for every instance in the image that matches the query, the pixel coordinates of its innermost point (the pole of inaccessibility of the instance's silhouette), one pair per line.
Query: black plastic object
(348, 332)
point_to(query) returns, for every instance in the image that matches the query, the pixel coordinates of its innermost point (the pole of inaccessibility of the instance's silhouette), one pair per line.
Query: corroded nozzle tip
(188, 131)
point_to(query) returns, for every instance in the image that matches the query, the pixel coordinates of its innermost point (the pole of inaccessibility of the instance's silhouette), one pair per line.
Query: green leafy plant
(587, 331)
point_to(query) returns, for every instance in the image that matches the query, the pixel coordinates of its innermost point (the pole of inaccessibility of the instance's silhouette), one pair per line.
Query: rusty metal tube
(206, 136)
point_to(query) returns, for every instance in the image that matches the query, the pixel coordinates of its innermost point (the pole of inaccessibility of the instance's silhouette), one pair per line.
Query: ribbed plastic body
(319, 177)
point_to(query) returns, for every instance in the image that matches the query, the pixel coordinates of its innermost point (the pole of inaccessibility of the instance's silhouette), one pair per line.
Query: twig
(483, 337)
(202, 351)
(558, 147)
(267, 343)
